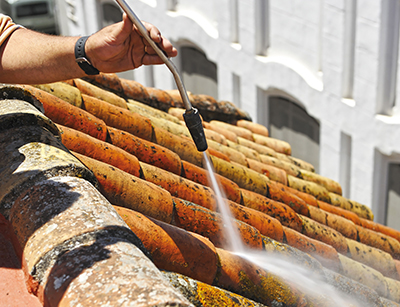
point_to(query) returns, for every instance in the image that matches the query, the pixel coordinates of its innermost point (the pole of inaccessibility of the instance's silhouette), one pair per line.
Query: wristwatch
(81, 59)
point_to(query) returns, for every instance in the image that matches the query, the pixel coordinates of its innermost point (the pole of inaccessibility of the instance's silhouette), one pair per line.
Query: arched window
(291, 123)
(198, 73)
(393, 196)
(110, 13)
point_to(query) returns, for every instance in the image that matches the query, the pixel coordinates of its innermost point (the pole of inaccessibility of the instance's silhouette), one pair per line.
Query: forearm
(31, 58)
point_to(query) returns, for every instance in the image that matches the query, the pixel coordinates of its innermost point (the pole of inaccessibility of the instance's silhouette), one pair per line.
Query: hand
(120, 47)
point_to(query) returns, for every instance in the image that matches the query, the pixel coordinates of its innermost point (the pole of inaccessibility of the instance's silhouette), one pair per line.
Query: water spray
(191, 116)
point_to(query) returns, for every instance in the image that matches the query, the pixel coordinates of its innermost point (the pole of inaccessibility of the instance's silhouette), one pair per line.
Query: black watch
(81, 59)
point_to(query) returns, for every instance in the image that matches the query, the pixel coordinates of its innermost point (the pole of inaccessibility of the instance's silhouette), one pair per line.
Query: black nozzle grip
(195, 126)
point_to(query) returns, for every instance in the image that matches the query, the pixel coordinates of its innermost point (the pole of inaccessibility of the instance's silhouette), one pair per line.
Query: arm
(31, 57)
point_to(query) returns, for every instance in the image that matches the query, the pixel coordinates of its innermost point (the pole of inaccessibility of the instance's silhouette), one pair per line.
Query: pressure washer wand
(192, 115)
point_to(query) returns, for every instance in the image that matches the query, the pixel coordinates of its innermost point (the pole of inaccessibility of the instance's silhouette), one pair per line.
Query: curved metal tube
(191, 116)
(171, 66)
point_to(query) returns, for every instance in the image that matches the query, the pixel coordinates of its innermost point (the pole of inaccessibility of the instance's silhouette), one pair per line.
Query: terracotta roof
(100, 175)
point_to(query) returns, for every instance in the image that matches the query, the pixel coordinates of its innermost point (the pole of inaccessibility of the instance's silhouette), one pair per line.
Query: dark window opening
(34, 9)
(111, 14)
(291, 123)
(198, 73)
(393, 196)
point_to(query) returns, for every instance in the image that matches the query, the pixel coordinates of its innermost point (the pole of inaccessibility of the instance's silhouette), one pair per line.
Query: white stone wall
(308, 60)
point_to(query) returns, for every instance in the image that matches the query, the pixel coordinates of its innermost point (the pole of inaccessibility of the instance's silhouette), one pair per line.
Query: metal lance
(191, 116)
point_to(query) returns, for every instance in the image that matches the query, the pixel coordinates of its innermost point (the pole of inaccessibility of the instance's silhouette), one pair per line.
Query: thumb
(122, 32)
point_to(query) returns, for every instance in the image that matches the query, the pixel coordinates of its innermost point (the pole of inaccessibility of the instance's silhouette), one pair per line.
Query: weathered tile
(17, 113)
(58, 209)
(202, 295)
(108, 272)
(30, 154)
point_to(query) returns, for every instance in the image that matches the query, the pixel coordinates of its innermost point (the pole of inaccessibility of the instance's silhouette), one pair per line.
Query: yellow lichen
(210, 296)
(269, 289)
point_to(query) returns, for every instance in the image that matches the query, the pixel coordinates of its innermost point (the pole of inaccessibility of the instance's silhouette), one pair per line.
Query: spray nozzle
(195, 126)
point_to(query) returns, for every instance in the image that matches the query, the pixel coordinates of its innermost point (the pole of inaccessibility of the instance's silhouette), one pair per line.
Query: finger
(149, 50)
(161, 41)
(167, 46)
(149, 59)
(127, 26)
(154, 33)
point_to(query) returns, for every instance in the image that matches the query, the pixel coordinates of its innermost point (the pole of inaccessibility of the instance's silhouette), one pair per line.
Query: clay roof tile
(148, 173)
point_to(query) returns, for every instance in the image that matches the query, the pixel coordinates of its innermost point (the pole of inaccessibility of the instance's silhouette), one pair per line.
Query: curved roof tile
(91, 228)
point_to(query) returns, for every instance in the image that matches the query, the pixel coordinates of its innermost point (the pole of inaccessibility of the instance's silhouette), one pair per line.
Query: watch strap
(81, 59)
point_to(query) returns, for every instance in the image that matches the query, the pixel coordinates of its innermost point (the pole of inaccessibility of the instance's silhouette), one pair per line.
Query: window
(291, 123)
(234, 7)
(32, 9)
(236, 90)
(349, 48)
(198, 73)
(393, 196)
(110, 14)
(388, 56)
(262, 26)
(5, 6)
(345, 164)
(171, 5)
(149, 75)
(386, 189)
